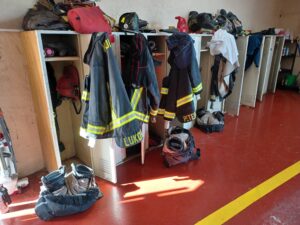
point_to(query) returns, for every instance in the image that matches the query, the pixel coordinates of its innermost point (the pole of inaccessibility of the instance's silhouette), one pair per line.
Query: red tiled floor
(253, 147)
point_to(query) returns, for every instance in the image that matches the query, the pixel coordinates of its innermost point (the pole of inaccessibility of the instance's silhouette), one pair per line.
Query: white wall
(12, 12)
(255, 14)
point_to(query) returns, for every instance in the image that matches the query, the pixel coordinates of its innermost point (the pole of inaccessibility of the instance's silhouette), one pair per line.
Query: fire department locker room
(102, 160)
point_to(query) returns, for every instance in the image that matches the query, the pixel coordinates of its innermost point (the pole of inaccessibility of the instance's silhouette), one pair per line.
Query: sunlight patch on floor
(163, 186)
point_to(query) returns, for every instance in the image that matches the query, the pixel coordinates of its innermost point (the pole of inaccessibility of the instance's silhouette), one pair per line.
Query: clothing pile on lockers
(65, 194)
(108, 110)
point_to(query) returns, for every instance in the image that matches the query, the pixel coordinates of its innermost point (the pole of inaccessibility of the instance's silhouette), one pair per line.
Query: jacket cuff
(198, 89)
(153, 112)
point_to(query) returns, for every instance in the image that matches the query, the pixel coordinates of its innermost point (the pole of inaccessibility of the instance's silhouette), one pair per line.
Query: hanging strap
(78, 95)
(77, 110)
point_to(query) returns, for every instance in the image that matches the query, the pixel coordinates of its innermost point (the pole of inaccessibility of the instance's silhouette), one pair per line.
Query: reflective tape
(142, 117)
(161, 111)
(85, 96)
(136, 97)
(197, 88)
(153, 112)
(106, 44)
(164, 91)
(94, 129)
(184, 100)
(169, 115)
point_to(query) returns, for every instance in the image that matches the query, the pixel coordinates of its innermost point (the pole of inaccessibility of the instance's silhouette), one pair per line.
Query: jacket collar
(181, 47)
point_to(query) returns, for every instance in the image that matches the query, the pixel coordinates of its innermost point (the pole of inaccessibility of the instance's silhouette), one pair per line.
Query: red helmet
(68, 85)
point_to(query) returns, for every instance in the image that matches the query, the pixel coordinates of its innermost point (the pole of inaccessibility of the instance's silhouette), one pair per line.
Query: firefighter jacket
(183, 81)
(140, 78)
(108, 112)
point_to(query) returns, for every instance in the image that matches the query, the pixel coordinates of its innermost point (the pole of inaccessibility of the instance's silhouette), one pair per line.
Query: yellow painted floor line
(236, 206)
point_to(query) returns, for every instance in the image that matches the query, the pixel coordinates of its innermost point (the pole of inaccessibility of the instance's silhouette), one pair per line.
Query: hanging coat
(183, 81)
(140, 78)
(108, 112)
(223, 47)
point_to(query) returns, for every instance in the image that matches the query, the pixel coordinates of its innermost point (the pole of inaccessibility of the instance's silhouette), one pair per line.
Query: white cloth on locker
(224, 43)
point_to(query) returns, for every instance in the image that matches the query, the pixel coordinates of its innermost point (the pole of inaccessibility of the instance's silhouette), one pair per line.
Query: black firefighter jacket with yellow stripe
(183, 81)
(108, 112)
(139, 77)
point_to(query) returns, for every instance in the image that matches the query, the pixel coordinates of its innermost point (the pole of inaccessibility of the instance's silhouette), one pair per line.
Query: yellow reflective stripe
(184, 100)
(142, 117)
(169, 115)
(106, 44)
(113, 125)
(95, 129)
(113, 114)
(85, 96)
(137, 98)
(197, 88)
(153, 112)
(134, 96)
(161, 111)
(164, 91)
(123, 120)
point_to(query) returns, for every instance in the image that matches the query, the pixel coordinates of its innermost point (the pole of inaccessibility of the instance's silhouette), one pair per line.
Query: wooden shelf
(66, 58)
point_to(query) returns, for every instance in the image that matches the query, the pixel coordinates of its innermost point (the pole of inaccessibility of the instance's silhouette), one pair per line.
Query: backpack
(87, 20)
(209, 122)
(68, 86)
(41, 18)
(179, 147)
(229, 22)
(198, 21)
(237, 24)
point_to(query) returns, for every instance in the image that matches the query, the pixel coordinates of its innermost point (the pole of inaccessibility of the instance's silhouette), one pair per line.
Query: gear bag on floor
(210, 122)
(179, 147)
(67, 194)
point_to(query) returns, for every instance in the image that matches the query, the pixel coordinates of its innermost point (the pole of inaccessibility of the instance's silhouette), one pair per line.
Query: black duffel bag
(41, 18)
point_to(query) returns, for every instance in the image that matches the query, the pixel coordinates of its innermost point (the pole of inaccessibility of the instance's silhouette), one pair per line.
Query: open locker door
(233, 102)
(250, 83)
(103, 154)
(33, 49)
(265, 66)
(276, 61)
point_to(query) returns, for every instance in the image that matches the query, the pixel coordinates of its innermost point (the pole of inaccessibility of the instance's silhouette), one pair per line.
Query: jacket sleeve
(152, 87)
(195, 76)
